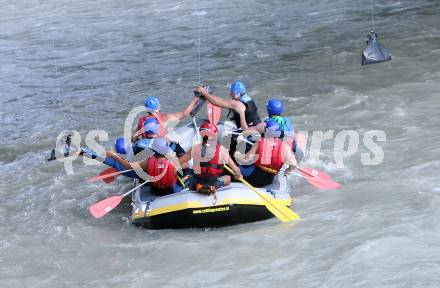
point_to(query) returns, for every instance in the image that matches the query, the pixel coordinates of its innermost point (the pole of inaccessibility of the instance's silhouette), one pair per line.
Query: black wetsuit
(252, 119)
(251, 112)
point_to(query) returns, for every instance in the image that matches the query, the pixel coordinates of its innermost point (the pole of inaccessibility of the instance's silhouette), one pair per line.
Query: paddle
(318, 178)
(315, 177)
(103, 207)
(194, 112)
(110, 170)
(214, 113)
(197, 107)
(282, 212)
(108, 175)
(301, 140)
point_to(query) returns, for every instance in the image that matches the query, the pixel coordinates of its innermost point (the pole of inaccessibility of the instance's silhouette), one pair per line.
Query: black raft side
(215, 216)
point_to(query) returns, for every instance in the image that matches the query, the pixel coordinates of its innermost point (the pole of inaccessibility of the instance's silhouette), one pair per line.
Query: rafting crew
(152, 106)
(268, 157)
(209, 158)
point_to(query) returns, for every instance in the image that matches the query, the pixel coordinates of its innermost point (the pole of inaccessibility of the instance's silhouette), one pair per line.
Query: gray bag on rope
(375, 52)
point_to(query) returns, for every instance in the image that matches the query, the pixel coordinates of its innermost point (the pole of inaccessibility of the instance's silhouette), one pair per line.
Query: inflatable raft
(230, 205)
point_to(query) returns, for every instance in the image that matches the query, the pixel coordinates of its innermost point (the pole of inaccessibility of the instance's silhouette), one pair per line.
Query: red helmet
(208, 129)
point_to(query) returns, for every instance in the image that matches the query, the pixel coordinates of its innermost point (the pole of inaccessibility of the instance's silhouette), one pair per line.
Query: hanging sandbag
(375, 52)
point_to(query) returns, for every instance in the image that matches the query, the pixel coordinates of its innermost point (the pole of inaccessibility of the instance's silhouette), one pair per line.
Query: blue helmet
(151, 125)
(238, 88)
(121, 145)
(273, 128)
(152, 103)
(160, 145)
(274, 107)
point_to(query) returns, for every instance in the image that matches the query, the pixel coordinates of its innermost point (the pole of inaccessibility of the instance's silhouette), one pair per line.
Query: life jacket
(270, 153)
(162, 130)
(282, 122)
(212, 168)
(286, 130)
(251, 113)
(156, 166)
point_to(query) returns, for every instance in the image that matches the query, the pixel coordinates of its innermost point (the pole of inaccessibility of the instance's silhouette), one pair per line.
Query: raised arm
(218, 101)
(178, 116)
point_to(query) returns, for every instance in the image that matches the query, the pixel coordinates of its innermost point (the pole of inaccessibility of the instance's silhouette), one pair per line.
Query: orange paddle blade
(103, 207)
(318, 178)
(108, 175)
(214, 113)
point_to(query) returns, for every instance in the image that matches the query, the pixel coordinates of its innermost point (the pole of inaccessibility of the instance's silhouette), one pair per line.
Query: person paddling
(209, 158)
(152, 106)
(269, 154)
(160, 167)
(241, 105)
(275, 109)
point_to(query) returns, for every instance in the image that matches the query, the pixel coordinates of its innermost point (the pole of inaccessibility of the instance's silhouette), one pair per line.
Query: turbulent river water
(83, 65)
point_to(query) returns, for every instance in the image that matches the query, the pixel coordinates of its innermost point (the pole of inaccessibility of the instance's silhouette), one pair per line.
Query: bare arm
(289, 158)
(260, 127)
(184, 165)
(237, 172)
(185, 157)
(124, 162)
(136, 134)
(244, 126)
(240, 108)
(228, 160)
(252, 151)
(178, 116)
(218, 101)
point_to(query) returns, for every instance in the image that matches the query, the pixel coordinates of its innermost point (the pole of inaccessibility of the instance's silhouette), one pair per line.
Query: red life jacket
(211, 168)
(270, 153)
(159, 117)
(156, 166)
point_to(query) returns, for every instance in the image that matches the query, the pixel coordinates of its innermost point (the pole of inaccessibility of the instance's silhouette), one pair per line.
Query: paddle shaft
(129, 192)
(194, 112)
(197, 107)
(109, 175)
(280, 211)
(305, 171)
